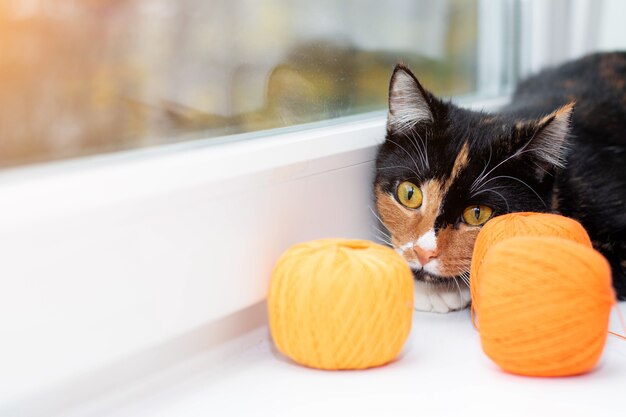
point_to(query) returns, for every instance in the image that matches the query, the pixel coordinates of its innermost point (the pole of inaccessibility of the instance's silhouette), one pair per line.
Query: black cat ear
(548, 143)
(408, 101)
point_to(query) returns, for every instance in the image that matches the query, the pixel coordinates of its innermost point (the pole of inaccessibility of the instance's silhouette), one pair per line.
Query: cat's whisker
(376, 215)
(522, 182)
(382, 232)
(518, 153)
(385, 238)
(417, 148)
(385, 241)
(409, 137)
(480, 176)
(379, 230)
(407, 152)
(459, 288)
(545, 171)
(491, 190)
(403, 167)
(465, 278)
(425, 146)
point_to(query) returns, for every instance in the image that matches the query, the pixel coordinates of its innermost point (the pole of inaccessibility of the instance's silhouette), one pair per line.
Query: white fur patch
(432, 267)
(440, 299)
(415, 265)
(407, 246)
(428, 241)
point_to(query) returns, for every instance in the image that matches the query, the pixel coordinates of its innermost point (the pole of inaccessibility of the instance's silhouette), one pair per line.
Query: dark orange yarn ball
(544, 305)
(524, 224)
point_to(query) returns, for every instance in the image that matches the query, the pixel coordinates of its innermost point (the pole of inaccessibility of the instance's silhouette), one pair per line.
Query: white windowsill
(123, 266)
(121, 257)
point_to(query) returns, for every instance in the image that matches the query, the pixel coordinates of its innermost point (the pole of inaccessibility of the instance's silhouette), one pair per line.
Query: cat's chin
(421, 275)
(439, 294)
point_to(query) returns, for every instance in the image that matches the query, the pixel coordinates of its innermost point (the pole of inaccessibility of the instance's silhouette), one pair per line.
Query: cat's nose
(424, 255)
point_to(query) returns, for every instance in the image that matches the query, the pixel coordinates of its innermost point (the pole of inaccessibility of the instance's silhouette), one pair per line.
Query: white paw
(440, 298)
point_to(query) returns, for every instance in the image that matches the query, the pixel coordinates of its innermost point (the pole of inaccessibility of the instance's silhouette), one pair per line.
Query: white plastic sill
(118, 268)
(441, 372)
(149, 254)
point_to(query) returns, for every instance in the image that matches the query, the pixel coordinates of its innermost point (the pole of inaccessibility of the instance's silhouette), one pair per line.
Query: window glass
(81, 77)
(607, 23)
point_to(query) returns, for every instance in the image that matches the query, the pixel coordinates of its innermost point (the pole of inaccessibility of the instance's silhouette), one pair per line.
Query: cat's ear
(548, 143)
(409, 103)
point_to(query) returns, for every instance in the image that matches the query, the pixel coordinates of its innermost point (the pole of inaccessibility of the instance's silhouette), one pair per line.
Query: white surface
(104, 262)
(106, 258)
(442, 372)
(121, 280)
(493, 46)
(556, 31)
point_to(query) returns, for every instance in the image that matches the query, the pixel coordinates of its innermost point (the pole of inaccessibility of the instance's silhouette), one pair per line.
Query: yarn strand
(621, 322)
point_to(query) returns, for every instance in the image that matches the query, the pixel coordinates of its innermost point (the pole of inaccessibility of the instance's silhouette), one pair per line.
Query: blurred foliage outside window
(83, 77)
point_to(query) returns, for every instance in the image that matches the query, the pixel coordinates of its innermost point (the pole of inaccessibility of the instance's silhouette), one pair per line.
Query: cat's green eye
(409, 195)
(477, 215)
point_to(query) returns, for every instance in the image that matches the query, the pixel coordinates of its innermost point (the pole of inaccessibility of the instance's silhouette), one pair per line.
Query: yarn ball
(340, 304)
(544, 305)
(524, 224)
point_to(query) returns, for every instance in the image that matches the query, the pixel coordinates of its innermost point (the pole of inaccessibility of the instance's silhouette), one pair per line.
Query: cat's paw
(439, 298)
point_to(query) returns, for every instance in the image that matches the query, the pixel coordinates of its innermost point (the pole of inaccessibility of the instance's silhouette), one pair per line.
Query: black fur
(592, 186)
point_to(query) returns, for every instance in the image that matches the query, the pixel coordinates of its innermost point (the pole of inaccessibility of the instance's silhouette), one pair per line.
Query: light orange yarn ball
(340, 304)
(544, 305)
(524, 224)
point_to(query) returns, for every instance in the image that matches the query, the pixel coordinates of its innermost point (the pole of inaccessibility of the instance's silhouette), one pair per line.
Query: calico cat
(443, 171)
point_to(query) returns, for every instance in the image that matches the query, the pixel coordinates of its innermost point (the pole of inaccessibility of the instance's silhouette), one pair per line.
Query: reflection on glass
(89, 76)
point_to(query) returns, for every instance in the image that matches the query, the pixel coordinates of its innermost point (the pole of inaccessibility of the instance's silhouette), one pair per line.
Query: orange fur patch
(561, 110)
(455, 248)
(460, 162)
(407, 225)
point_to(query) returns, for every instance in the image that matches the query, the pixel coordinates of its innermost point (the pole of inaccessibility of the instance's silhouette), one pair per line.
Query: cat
(444, 171)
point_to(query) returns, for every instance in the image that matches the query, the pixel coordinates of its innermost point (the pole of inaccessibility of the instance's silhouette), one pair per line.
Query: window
(116, 268)
(555, 31)
(87, 77)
